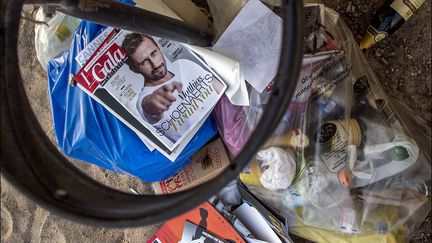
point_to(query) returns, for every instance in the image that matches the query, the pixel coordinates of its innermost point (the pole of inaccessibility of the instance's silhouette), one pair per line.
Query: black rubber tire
(34, 166)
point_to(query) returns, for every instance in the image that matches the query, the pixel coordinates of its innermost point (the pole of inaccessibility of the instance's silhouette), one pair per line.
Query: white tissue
(254, 39)
(278, 168)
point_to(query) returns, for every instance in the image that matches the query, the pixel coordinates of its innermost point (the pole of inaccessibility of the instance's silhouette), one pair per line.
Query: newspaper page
(163, 90)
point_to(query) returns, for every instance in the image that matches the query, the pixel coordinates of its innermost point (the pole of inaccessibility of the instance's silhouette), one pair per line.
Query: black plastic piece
(124, 16)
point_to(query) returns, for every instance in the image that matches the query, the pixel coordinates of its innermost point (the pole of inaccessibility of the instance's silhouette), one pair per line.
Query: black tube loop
(32, 164)
(124, 16)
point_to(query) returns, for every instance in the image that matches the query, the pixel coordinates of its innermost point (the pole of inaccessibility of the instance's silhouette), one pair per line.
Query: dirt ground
(402, 63)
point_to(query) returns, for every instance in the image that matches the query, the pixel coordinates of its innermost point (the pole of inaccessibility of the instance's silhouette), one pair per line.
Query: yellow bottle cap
(372, 37)
(250, 179)
(367, 41)
(355, 132)
(253, 177)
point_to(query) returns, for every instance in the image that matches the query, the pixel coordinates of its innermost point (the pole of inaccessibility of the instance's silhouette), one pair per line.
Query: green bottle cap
(399, 153)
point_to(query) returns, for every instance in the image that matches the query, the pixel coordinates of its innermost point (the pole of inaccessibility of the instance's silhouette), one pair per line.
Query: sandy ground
(402, 63)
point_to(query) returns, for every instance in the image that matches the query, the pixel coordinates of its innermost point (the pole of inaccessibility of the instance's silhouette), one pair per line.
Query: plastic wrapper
(85, 130)
(54, 37)
(346, 163)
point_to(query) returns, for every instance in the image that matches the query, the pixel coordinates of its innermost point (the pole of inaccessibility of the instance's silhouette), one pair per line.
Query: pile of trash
(346, 163)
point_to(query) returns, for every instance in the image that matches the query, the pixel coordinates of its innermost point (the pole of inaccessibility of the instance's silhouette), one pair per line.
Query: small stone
(383, 60)
(391, 54)
(349, 6)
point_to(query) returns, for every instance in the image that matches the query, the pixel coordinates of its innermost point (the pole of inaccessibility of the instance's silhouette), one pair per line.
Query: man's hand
(159, 101)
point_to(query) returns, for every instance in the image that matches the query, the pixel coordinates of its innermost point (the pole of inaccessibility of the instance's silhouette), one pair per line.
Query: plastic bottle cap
(345, 177)
(355, 132)
(297, 139)
(399, 153)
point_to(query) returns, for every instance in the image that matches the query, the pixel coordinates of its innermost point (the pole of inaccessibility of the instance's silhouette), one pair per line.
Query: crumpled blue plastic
(85, 130)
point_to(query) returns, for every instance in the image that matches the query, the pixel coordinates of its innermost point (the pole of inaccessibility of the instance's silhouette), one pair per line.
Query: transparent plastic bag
(54, 37)
(345, 163)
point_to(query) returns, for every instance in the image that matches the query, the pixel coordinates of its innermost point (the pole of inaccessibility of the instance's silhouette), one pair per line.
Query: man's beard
(156, 75)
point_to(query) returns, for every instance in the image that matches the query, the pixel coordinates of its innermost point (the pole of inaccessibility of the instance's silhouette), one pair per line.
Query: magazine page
(205, 216)
(163, 85)
(196, 233)
(171, 155)
(88, 53)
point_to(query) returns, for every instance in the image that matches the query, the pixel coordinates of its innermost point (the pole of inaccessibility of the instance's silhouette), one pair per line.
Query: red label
(90, 77)
(172, 184)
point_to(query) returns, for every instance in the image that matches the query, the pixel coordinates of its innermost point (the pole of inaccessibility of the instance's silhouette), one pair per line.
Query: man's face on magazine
(149, 61)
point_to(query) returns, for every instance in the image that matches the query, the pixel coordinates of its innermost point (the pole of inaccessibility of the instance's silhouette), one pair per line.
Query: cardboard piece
(276, 221)
(206, 164)
(255, 223)
(190, 13)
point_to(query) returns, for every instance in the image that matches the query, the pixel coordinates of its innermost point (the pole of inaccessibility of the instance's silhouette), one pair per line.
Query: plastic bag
(361, 165)
(85, 130)
(55, 37)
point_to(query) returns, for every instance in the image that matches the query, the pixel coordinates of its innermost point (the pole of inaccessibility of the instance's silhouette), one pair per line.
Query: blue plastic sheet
(85, 130)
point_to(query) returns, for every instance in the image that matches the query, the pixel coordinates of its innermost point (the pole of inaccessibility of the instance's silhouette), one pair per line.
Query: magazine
(206, 217)
(158, 87)
(89, 52)
(195, 233)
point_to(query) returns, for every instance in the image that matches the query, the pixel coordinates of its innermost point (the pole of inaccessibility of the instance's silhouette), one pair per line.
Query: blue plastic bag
(85, 130)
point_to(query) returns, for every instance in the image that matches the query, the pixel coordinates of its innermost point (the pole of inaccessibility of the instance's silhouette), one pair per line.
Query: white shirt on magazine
(185, 71)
